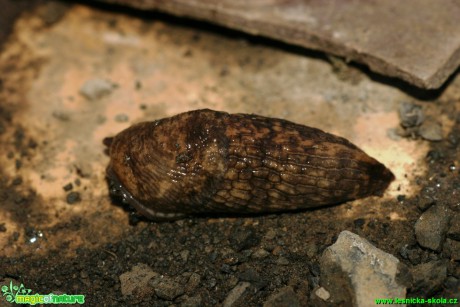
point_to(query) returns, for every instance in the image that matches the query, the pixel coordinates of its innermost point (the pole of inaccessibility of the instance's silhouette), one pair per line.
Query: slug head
(166, 168)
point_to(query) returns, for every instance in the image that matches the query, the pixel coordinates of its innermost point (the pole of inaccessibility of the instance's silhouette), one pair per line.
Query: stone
(96, 88)
(121, 118)
(285, 297)
(452, 288)
(235, 294)
(167, 288)
(452, 249)
(244, 238)
(454, 229)
(282, 261)
(430, 130)
(193, 282)
(428, 277)
(73, 198)
(194, 301)
(411, 115)
(322, 293)
(432, 226)
(412, 253)
(137, 279)
(422, 49)
(260, 254)
(355, 272)
(251, 275)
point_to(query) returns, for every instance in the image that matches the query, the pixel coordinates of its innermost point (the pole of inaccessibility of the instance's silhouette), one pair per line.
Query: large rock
(355, 272)
(422, 48)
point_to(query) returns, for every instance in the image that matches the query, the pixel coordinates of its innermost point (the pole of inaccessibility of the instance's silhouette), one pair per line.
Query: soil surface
(72, 76)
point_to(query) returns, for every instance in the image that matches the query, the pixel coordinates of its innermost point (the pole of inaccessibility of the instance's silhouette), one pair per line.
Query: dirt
(61, 232)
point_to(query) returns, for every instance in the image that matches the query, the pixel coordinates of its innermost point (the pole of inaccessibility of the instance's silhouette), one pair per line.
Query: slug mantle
(206, 161)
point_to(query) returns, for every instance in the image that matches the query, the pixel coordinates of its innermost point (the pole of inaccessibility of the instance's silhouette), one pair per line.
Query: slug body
(206, 161)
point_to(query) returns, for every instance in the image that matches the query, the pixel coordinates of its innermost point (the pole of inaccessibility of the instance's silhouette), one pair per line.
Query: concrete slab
(415, 40)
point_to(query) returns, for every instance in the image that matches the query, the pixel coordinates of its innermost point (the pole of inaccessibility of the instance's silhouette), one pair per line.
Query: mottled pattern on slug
(205, 161)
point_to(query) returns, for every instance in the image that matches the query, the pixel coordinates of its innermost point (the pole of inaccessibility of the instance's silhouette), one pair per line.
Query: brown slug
(206, 161)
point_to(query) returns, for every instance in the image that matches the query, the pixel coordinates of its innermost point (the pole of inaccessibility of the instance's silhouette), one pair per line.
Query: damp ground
(71, 77)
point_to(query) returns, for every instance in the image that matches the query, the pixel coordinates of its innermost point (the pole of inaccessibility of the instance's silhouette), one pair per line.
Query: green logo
(21, 295)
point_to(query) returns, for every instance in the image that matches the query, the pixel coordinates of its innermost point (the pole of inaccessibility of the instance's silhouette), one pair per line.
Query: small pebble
(235, 294)
(167, 288)
(431, 130)
(52, 11)
(432, 226)
(121, 118)
(454, 230)
(73, 197)
(62, 116)
(138, 280)
(395, 134)
(260, 254)
(452, 249)
(184, 255)
(270, 235)
(19, 199)
(244, 238)
(359, 223)
(453, 139)
(32, 144)
(68, 187)
(84, 274)
(434, 155)
(101, 119)
(194, 301)
(193, 282)
(411, 115)
(17, 181)
(429, 277)
(284, 297)
(96, 88)
(425, 202)
(322, 294)
(282, 261)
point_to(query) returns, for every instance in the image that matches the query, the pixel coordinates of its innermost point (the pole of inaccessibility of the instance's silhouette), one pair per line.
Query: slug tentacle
(206, 161)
